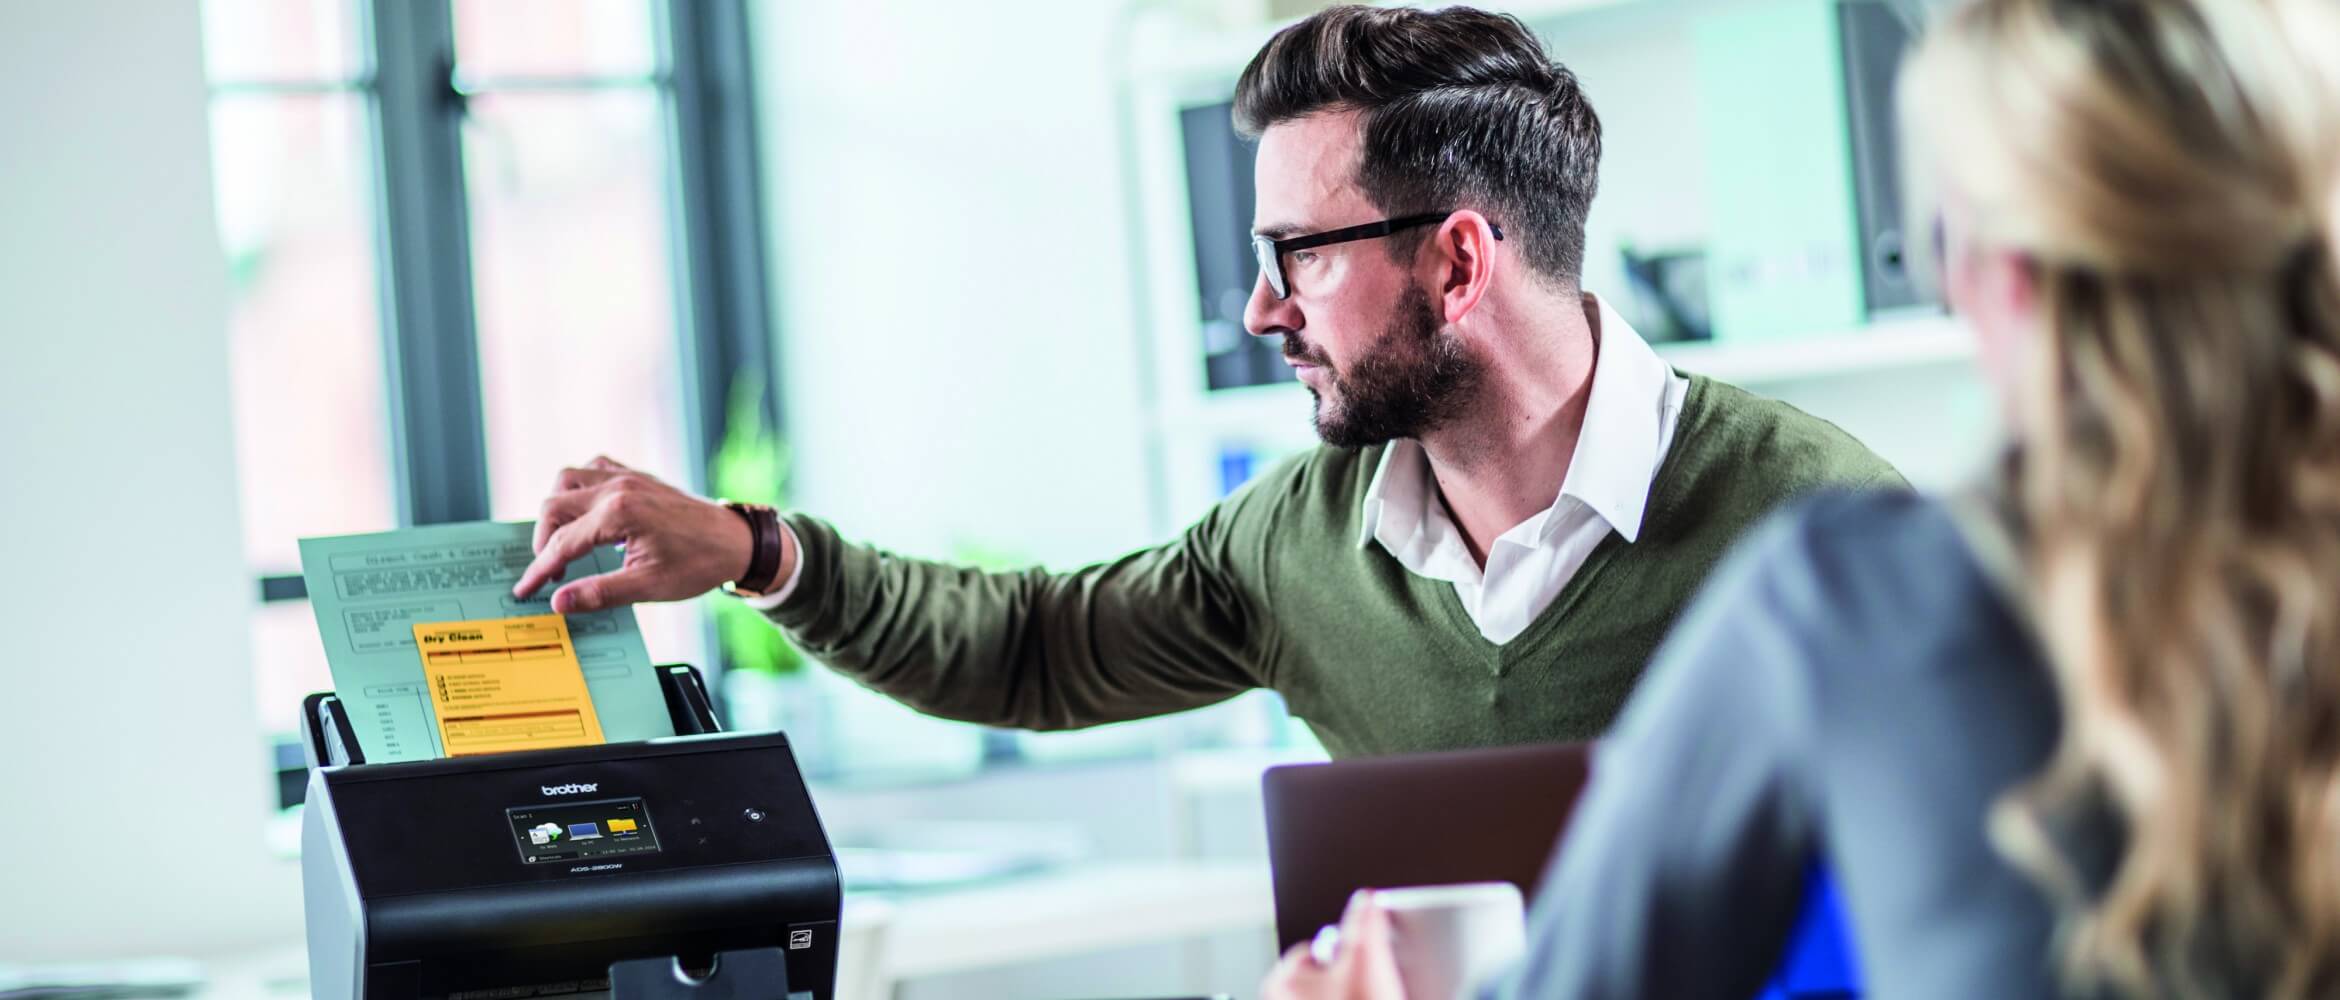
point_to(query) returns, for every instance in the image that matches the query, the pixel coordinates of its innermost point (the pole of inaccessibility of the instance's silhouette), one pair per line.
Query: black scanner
(696, 865)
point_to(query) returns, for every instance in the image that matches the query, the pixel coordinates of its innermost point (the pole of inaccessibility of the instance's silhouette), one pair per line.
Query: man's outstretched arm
(1160, 630)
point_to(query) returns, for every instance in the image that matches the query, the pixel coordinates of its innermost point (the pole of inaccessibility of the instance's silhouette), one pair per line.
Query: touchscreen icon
(621, 826)
(543, 834)
(584, 831)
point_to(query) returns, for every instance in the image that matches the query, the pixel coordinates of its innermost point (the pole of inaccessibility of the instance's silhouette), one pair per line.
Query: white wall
(952, 273)
(129, 760)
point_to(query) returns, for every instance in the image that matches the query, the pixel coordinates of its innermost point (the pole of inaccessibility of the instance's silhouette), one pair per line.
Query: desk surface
(1084, 908)
(1070, 911)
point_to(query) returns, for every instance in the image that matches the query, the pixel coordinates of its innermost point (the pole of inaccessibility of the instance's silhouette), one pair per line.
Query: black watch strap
(763, 570)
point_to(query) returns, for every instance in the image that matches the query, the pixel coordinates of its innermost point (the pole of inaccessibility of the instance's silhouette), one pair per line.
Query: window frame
(423, 240)
(415, 103)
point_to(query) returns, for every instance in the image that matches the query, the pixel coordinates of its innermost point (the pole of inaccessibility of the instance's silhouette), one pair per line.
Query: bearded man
(1514, 498)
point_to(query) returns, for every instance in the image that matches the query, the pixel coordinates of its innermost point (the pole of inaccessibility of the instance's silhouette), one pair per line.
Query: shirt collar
(1399, 488)
(1616, 457)
(1617, 450)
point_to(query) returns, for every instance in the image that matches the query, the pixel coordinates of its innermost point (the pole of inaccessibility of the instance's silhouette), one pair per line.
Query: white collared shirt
(1628, 425)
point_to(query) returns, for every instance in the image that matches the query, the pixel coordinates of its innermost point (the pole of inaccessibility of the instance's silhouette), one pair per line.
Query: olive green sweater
(1272, 589)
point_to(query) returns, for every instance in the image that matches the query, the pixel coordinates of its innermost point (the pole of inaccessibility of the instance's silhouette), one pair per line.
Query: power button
(754, 815)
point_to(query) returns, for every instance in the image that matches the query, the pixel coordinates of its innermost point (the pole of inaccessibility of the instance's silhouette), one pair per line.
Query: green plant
(751, 466)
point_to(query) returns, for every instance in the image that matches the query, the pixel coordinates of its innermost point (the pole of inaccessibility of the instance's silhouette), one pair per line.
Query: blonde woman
(2080, 736)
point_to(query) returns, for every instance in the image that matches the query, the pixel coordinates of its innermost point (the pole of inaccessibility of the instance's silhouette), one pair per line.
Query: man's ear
(1461, 259)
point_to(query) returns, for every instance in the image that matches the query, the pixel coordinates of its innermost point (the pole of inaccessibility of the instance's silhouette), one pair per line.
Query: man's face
(1361, 330)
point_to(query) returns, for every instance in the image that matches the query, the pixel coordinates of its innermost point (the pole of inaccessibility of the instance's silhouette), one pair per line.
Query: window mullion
(726, 320)
(430, 336)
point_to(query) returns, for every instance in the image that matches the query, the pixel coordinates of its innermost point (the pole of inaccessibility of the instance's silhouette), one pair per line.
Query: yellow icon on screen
(621, 826)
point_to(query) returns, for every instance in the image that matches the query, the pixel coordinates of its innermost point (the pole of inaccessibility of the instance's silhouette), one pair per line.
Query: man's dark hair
(1459, 108)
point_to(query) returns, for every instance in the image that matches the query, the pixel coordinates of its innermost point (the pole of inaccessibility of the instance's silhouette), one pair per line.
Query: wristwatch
(763, 570)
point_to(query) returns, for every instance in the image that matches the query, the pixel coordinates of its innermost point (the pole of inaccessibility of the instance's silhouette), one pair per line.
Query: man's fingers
(583, 477)
(627, 585)
(558, 510)
(565, 545)
(578, 496)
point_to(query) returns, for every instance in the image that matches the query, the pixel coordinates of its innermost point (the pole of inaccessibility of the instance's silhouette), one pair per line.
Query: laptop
(1491, 815)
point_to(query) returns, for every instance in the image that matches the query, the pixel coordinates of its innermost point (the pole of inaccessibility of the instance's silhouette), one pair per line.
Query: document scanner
(692, 866)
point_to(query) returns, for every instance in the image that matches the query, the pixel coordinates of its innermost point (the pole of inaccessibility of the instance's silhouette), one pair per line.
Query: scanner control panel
(677, 806)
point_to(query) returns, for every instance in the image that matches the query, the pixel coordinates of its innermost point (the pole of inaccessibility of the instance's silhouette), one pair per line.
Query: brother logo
(572, 788)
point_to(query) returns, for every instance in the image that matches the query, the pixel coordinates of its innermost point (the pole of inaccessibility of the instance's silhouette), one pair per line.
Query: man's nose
(1268, 316)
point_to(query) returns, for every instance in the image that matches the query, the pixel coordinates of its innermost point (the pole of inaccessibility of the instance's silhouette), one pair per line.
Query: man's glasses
(1271, 251)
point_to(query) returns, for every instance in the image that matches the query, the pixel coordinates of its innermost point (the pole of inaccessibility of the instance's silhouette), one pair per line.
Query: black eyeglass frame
(1270, 251)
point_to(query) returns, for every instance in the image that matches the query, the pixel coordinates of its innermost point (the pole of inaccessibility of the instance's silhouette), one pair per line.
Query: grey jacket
(1851, 689)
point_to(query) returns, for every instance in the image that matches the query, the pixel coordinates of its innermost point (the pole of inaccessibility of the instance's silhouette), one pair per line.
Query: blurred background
(965, 279)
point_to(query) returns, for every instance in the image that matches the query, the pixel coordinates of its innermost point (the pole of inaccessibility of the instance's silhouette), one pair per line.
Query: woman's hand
(1362, 964)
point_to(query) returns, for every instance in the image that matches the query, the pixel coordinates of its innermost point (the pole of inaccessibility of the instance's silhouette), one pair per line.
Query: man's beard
(1412, 380)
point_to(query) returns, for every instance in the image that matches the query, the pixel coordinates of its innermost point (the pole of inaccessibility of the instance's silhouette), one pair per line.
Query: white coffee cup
(1450, 938)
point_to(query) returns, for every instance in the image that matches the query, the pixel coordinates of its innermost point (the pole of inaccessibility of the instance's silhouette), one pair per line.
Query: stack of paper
(432, 656)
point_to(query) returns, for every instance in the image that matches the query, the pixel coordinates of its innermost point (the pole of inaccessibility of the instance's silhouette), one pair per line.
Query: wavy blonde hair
(2166, 170)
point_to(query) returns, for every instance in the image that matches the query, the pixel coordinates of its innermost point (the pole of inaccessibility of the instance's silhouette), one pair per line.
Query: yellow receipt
(506, 684)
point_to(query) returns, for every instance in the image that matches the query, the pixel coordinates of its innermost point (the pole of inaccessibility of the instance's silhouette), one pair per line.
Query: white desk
(1085, 908)
(892, 937)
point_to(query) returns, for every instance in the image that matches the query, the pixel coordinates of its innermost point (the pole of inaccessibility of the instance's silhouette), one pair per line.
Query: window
(294, 172)
(470, 242)
(568, 181)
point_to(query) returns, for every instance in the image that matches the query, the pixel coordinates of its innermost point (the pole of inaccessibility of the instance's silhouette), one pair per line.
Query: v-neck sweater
(1270, 589)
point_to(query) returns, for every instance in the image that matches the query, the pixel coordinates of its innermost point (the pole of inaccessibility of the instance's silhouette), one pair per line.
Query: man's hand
(677, 545)
(1362, 966)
